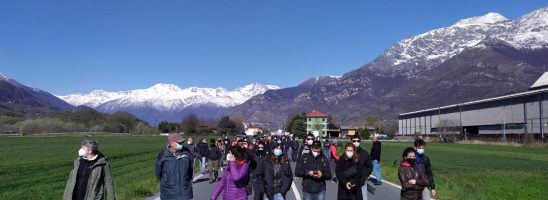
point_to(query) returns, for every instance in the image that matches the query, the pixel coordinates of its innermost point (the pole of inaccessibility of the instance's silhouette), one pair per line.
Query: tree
(299, 129)
(363, 133)
(168, 127)
(372, 121)
(226, 125)
(190, 124)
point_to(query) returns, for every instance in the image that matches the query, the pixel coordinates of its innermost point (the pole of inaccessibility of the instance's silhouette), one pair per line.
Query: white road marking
(295, 191)
(389, 183)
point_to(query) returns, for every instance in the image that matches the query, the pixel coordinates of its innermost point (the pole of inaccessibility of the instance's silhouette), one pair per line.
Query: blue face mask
(277, 152)
(179, 147)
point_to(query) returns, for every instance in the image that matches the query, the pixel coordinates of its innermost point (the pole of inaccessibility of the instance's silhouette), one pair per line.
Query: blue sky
(77, 46)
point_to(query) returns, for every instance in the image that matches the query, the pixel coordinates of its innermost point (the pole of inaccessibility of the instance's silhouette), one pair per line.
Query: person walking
(314, 169)
(365, 161)
(192, 149)
(294, 148)
(376, 157)
(305, 148)
(213, 157)
(413, 180)
(326, 149)
(90, 177)
(422, 159)
(174, 170)
(202, 151)
(348, 170)
(257, 168)
(278, 176)
(236, 177)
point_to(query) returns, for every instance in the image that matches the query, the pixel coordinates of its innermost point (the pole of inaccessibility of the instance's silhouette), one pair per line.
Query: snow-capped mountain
(168, 99)
(471, 59)
(420, 53)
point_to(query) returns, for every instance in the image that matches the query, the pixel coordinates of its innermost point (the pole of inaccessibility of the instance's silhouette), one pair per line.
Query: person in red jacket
(333, 151)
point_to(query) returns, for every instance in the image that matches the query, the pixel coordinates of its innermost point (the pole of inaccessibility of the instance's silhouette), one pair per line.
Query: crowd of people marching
(259, 166)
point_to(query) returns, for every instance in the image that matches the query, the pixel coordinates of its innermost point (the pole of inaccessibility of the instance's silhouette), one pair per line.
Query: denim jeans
(314, 196)
(203, 164)
(377, 170)
(277, 196)
(364, 191)
(326, 152)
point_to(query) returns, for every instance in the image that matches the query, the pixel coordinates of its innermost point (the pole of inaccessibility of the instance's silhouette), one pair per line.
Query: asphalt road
(202, 189)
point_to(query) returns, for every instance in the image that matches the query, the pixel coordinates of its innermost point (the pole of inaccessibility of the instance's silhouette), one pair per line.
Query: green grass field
(467, 171)
(37, 167)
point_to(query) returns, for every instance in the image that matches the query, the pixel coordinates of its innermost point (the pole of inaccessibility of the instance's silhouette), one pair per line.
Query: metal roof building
(514, 114)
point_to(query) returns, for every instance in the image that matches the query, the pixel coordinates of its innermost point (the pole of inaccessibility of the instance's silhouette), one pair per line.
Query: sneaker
(212, 181)
(378, 183)
(335, 180)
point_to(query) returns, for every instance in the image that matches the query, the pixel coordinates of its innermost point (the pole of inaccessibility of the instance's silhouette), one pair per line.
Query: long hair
(356, 156)
(273, 158)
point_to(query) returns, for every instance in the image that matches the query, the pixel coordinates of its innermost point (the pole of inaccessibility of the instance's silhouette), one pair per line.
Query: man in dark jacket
(315, 170)
(257, 170)
(376, 157)
(213, 156)
(174, 169)
(365, 161)
(91, 171)
(305, 148)
(422, 159)
(294, 144)
(202, 151)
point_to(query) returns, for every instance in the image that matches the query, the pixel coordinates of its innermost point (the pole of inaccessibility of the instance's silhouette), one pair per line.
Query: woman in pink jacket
(235, 178)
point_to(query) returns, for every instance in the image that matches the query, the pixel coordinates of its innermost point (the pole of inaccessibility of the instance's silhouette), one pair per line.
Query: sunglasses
(356, 140)
(309, 138)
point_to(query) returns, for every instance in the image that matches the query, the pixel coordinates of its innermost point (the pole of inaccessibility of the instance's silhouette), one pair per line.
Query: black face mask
(261, 152)
(410, 161)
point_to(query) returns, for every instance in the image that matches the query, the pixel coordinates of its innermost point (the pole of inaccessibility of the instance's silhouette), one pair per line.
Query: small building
(347, 131)
(316, 123)
(252, 129)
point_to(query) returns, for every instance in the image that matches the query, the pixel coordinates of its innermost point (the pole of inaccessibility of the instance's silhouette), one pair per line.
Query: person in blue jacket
(174, 170)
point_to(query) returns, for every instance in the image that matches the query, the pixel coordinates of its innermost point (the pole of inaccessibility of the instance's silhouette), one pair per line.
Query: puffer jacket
(407, 172)
(231, 178)
(175, 174)
(100, 184)
(283, 184)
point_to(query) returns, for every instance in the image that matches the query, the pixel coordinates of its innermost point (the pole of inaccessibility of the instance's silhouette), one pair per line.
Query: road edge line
(295, 190)
(389, 183)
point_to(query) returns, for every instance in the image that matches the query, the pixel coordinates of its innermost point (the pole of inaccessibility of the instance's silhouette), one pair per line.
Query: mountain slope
(474, 58)
(17, 99)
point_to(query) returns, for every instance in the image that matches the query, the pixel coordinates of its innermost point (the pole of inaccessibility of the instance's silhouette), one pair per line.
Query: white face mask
(357, 144)
(420, 151)
(82, 152)
(309, 142)
(315, 154)
(349, 154)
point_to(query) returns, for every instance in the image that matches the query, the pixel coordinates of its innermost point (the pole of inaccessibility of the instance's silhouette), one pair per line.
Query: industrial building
(509, 116)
